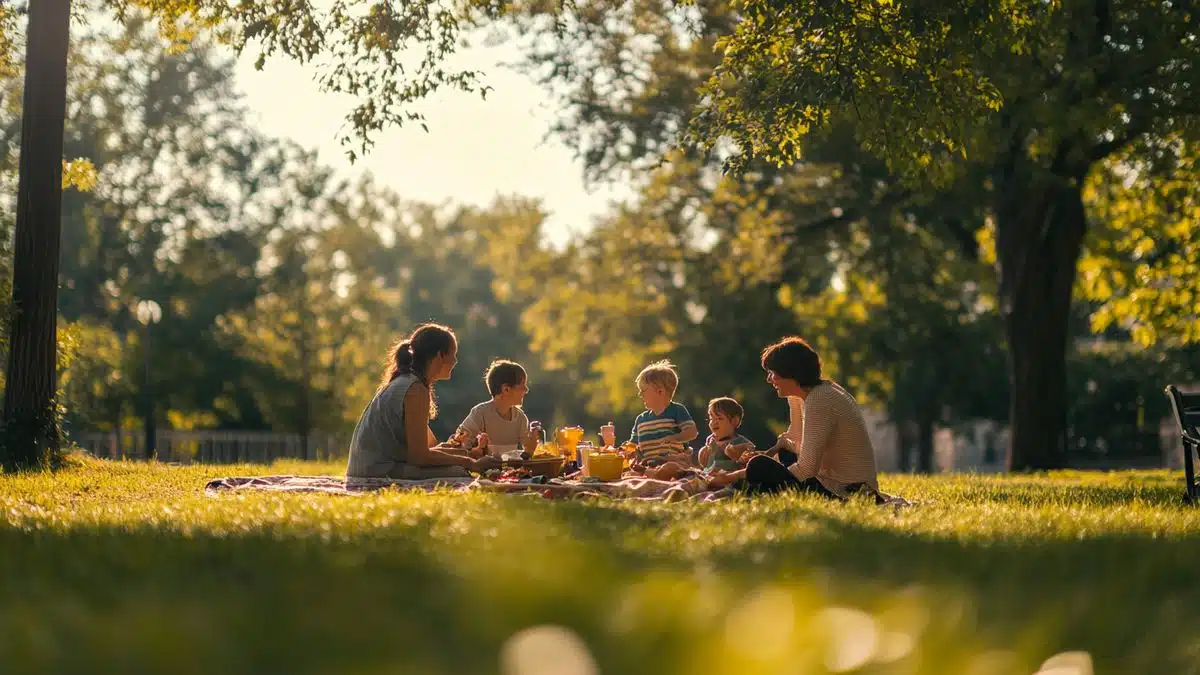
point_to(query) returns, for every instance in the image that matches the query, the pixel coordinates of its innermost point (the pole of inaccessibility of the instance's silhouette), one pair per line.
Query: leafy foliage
(1146, 249)
(385, 55)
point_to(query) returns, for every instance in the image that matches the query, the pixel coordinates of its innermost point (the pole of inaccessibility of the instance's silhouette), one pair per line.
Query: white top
(503, 434)
(795, 430)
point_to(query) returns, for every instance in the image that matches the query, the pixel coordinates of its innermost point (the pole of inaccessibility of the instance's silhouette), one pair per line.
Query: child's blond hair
(660, 373)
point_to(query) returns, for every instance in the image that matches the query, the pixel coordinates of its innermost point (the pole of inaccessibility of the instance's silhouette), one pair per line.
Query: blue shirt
(650, 432)
(717, 458)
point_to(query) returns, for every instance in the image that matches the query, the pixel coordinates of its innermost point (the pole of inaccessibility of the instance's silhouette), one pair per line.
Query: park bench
(1187, 415)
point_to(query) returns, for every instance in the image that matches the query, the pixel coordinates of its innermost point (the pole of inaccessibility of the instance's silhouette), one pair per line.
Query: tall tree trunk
(31, 435)
(1040, 228)
(925, 431)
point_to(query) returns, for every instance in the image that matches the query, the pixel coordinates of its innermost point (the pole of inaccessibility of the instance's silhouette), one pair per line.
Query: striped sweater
(652, 432)
(832, 441)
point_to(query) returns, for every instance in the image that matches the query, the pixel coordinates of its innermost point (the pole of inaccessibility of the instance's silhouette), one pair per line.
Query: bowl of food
(549, 466)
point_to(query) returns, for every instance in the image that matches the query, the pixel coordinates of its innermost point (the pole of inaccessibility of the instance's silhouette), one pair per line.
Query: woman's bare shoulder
(417, 390)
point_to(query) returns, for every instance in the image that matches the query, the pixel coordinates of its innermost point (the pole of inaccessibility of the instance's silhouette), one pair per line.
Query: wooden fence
(214, 447)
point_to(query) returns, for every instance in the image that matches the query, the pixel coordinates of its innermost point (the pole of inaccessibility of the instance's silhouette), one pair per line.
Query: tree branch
(886, 201)
(1136, 128)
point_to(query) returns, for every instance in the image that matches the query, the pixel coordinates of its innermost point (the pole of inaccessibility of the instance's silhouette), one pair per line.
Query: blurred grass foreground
(113, 567)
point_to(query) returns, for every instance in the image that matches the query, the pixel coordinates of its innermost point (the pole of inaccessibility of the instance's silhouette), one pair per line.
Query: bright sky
(475, 149)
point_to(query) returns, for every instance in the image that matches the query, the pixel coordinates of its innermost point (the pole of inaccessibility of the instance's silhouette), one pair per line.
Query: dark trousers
(766, 475)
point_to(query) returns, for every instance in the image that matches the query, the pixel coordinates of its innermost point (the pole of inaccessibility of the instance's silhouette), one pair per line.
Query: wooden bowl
(550, 467)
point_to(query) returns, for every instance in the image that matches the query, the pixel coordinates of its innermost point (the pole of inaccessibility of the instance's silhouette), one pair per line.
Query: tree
(185, 200)
(628, 75)
(1032, 96)
(30, 415)
(365, 50)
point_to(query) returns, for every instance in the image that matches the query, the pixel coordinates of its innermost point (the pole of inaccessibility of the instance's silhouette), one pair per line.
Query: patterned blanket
(629, 488)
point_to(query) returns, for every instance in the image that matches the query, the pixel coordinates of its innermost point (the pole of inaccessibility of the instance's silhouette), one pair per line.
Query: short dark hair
(726, 406)
(502, 372)
(794, 359)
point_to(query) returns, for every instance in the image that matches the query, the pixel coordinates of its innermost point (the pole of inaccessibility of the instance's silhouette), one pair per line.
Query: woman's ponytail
(411, 355)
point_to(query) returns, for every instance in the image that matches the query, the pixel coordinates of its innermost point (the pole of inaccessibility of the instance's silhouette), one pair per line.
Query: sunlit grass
(128, 567)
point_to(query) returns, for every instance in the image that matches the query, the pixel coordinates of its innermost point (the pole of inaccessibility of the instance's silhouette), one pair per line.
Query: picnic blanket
(628, 488)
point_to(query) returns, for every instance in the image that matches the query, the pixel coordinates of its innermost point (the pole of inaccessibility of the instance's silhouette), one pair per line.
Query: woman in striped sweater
(834, 457)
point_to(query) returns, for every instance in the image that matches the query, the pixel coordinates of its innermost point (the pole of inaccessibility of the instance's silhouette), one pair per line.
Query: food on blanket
(513, 474)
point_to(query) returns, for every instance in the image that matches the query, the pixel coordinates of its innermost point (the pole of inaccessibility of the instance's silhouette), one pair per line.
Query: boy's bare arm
(688, 433)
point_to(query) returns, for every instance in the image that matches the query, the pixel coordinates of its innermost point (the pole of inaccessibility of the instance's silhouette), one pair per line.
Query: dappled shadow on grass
(1125, 598)
(441, 585)
(120, 601)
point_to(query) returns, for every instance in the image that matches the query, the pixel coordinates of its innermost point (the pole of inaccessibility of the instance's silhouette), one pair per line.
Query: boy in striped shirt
(662, 431)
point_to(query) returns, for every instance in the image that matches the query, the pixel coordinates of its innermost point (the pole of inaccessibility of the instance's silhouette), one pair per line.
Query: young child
(723, 458)
(723, 449)
(661, 432)
(498, 425)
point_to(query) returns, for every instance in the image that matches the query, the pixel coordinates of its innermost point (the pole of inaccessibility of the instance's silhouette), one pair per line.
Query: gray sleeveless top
(378, 444)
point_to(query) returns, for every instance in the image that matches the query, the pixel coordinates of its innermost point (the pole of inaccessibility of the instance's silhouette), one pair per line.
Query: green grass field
(129, 568)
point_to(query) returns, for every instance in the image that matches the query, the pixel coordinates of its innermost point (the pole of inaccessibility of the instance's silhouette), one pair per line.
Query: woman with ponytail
(393, 438)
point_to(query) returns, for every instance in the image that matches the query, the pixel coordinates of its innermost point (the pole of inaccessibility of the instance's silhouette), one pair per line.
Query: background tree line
(281, 284)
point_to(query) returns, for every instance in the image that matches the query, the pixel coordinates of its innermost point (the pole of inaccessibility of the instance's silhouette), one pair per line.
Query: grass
(129, 568)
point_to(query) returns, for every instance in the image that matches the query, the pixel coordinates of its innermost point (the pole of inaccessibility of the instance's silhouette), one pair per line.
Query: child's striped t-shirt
(650, 432)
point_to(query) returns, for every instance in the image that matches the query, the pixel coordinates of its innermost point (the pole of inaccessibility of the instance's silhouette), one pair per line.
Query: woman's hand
(450, 448)
(782, 443)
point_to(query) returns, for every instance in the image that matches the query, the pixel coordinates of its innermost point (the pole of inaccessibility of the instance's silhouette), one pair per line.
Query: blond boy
(662, 431)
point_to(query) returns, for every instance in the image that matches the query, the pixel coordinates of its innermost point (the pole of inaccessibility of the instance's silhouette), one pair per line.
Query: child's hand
(748, 455)
(721, 479)
(530, 442)
(735, 452)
